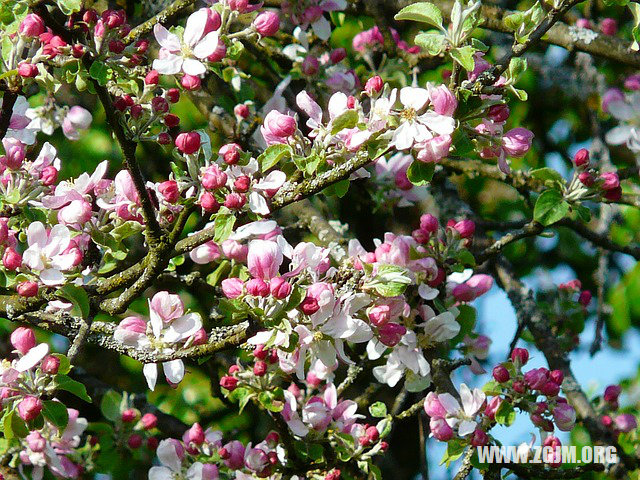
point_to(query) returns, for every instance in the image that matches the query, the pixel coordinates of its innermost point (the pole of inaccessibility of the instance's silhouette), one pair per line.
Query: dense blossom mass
(204, 257)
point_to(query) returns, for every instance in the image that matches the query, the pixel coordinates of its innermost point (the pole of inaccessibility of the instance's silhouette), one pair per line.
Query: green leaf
(547, 174)
(272, 155)
(338, 189)
(70, 385)
(65, 365)
(424, 12)
(420, 173)
(223, 226)
(505, 415)
(378, 409)
(13, 426)
(550, 207)
(69, 6)
(433, 43)
(464, 56)
(100, 72)
(390, 281)
(272, 400)
(78, 297)
(517, 66)
(110, 405)
(348, 119)
(492, 388)
(56, 413)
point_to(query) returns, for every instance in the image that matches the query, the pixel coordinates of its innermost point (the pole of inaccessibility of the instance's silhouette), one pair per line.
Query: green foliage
(550, 207)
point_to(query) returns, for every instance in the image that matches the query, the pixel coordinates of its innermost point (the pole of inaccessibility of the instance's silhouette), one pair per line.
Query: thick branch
(8, 101)
(144, 28)
(101, 334)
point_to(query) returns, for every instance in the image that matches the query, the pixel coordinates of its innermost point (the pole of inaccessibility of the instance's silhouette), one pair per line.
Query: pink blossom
(196, 40)
(277, 127)
(264, 259)
(267, 23)
(47, 252)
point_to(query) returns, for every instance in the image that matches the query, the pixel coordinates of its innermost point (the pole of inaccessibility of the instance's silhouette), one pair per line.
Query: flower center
(408, 114)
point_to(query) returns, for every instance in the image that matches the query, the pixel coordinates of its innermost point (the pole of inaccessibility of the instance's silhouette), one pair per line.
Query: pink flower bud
(581, 158)
(214, 178)
(520, 356)
(391, 333)
(309, 306)
(23, 339)
(465, 228)
(242, 184)
(260, 368)
(550, 389)
(11, 259)
(257, 287)
(498, 113)
(433, 407)
(609, 180)
(443, 101)
(230, 153)
(586, 179)
(219, 53)
(380, 315)
(612, 95)
(267, 23)
(234, 250)
(129, 415)
(27, 289)
(374, 85)
(50, 365)
(429, 223)
(564, 417)
(479, 438)
(49, 175)
(31, 26)
(134, 441)
(264, 259)
(625, 422)
(194, 435)
(149, 421)
(583, 23)
(334, 474)
(501, 374)
(235, 201)
(36, 442)
(229, 383)
(27, 70)
(232, 287)
(169, 191)
(440, 429)
(434, 149)
(152, 78)
(556, 376)
(337, 55)
(190, 82)
(632, 82)
(463, 293)
(614, 194)
(585, 298)
(611, 393)
(80, 117)
(536, 378)
(609, 26)
(241, 111)
(15, 153)
(173, 95)
(517, 141)
(188, 142)
(29, 408)
(277, 128)
(492, 407)
(402, 181)
(310, 65)
(78, 212)
(116, 46)
(160, 105)
(280, 288)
